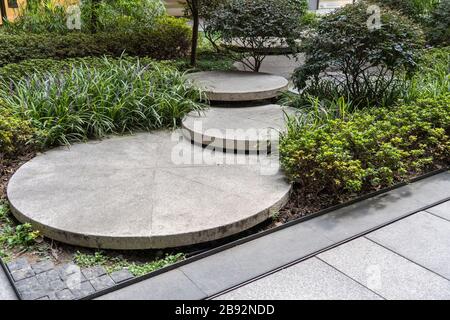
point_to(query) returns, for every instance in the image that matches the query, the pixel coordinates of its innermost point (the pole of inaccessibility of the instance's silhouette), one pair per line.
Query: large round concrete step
(232, 86)
(246, 129)
(150, 190)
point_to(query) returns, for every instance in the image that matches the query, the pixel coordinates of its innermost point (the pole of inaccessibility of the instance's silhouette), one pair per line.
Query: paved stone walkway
(409, 259)
(408, 255)
(45, 281)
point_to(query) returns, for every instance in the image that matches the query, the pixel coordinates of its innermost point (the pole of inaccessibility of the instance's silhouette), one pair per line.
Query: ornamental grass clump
(114, 96)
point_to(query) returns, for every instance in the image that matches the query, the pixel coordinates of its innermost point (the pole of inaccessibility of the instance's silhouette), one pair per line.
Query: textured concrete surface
(244, 129)
(239, 85)
(309, 280)
(6, 290)
(45, 281)
(442, 210)
(244, 262)
(364, 215)
(421, 238)
(172, 285)
(283, 66)
(229, 268)
(385, 272)
(150, 190)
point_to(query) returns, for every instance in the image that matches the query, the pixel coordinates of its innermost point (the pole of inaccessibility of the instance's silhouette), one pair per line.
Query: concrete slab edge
(287, 225)
(268, 232)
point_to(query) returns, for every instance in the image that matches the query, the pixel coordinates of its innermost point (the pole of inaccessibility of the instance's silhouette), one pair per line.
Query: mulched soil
(8, 167)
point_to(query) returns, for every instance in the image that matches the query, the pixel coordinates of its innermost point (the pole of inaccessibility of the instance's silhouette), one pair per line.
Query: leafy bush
(370, 150)
(15, 134)
(432, 79)
(253, 28)
(129, 15)
(169, 40)
(417, 10)
(344, 56)
(48, 16)
(91, 102)
(438, 30)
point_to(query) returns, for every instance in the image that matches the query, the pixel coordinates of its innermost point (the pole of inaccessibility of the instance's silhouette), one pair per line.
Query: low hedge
(15, 134)
(169, 40)
(372, 150)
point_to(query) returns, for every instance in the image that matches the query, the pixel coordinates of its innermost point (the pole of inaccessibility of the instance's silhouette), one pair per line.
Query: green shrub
(438, 28)
(257, 26)
(15, 134)
(417, 10)
(348, 59)
(49, 16)
(91, 102)
(129, 15)
(432, 78)
(169, 40)
(371, 150)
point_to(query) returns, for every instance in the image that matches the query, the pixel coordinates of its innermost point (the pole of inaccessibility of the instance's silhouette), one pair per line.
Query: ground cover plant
(116, 96)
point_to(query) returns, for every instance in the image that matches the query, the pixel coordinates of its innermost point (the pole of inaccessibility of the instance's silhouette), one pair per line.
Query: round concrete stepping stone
(239, 85)
(150, 190)
(248, 129)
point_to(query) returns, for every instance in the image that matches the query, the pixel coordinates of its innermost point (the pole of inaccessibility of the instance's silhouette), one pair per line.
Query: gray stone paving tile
(6, 289)
(226, 269)
(21, 274)
(47, 277)
(422, 238)
(309, 280)
(102, 282)
(365, 215)
(121, 276)
(172, 285)
(18, 264)
(42, 266)
(71, 271)
(93, 272)
(442, 210)
(83, 290)
(65, 294)
(385, 272)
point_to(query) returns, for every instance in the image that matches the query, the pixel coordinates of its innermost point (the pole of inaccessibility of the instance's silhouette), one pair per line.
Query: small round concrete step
(150, 190)
(239, 85)
(247, 129)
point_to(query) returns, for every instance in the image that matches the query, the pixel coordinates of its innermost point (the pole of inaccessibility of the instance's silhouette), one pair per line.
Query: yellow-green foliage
(373, 149)
(15, 133)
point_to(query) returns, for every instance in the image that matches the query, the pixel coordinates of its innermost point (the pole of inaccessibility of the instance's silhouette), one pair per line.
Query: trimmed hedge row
(169, 40)
(372, 150)
(15, 134)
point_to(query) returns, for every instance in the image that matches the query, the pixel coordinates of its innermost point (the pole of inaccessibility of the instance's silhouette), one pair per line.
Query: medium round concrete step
(239, 85)
(150, 190)
(247, 129)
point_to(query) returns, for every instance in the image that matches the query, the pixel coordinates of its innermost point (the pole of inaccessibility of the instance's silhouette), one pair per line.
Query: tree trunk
(194, 7)
(94, 17)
